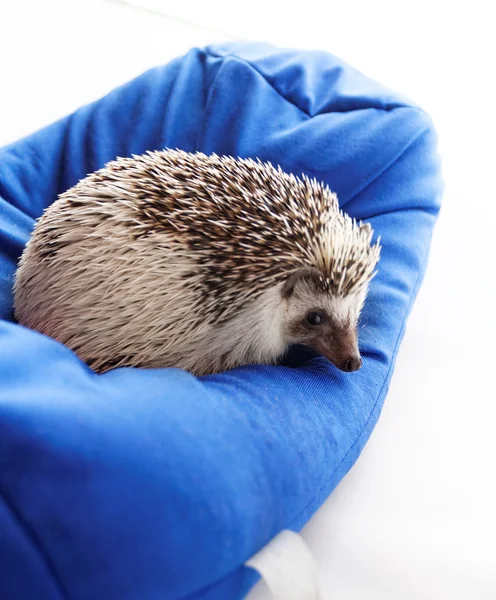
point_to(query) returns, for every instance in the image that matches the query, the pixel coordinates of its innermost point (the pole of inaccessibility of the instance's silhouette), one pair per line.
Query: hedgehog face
(322, 321)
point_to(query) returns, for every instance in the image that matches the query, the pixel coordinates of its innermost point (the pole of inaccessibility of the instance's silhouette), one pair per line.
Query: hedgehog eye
(314, 318)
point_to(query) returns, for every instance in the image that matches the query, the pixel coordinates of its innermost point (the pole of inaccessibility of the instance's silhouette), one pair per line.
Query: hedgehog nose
(352, 363)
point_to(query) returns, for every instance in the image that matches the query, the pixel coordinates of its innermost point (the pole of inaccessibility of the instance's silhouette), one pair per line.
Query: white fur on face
(343, 311)
(254, 336)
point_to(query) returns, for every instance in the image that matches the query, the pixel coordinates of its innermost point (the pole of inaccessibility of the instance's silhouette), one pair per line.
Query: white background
(415, 518)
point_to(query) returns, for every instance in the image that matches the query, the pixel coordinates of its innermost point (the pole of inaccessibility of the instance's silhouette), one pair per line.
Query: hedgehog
(200, 262)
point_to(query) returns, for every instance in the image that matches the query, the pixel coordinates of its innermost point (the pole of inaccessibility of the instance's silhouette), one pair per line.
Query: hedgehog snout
(348, 362)
(351, 364)
(341, 348)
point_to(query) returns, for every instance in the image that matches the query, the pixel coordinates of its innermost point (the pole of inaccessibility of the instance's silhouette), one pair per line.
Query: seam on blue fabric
(431, 210)
(249, 64)
(207, 103)
(252, 66)
(36, 545)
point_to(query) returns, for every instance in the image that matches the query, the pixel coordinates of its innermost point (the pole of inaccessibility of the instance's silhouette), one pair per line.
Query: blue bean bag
(154, 484)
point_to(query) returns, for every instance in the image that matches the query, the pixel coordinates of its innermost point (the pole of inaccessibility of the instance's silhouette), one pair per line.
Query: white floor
(415, 518)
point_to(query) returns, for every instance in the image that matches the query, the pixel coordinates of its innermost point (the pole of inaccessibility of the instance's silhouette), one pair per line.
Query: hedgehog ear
(298, 275)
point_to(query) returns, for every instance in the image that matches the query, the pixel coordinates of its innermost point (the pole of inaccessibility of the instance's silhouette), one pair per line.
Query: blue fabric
(140, 484)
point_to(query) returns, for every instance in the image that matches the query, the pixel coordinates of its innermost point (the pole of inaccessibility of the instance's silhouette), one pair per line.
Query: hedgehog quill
(174, 259)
